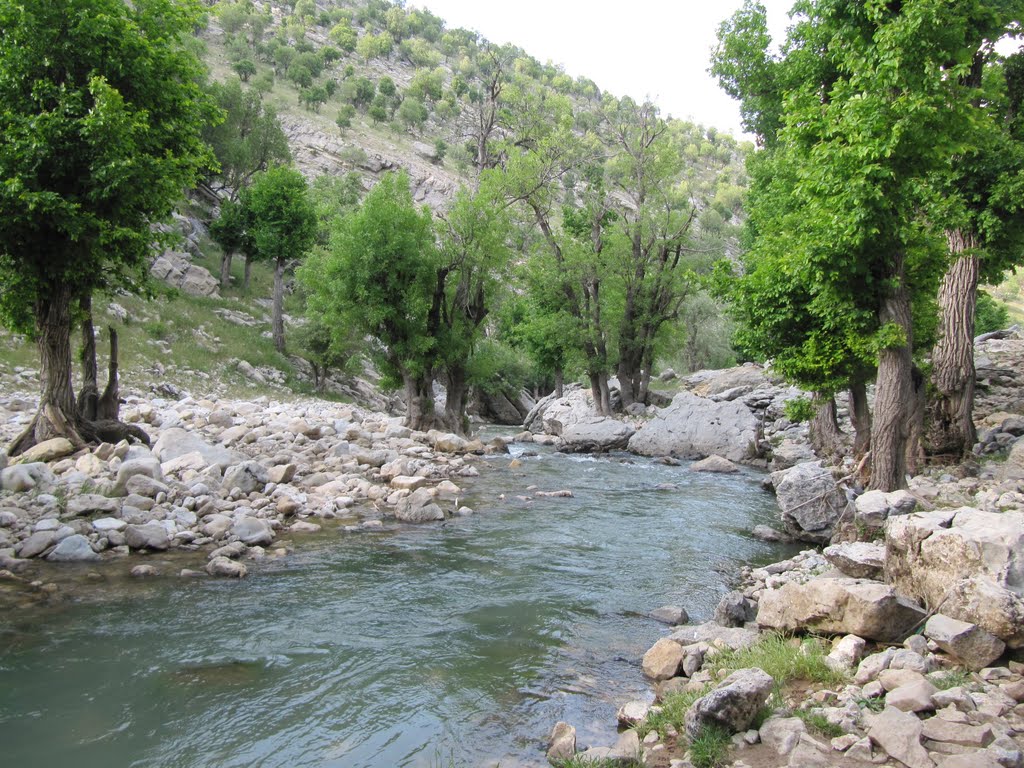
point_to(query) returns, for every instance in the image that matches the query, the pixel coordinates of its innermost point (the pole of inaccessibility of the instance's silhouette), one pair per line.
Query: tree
(244, 68)
(101, 118)
(229, 232)
(281, 225)
(862, 129)
(247, 141)
(379, 275)
(344, 36)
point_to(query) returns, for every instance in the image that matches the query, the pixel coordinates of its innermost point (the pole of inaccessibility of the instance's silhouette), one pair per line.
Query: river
(457, 644)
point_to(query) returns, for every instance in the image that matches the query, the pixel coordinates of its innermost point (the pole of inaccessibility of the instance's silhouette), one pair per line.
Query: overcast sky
(641, 48)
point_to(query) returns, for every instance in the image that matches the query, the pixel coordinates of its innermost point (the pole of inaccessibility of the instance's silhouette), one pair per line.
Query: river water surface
(458, 644)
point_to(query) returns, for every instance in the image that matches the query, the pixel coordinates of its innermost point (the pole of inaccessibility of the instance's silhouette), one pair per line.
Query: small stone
(148, 536)
(898, 733)
(733, 704)
(73, 549)
(562, 743)
(782, 733)
(144, 571)
(632, 712)
(914, 697)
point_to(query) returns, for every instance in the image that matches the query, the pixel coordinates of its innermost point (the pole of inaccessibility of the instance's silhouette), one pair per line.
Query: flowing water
(457, 644)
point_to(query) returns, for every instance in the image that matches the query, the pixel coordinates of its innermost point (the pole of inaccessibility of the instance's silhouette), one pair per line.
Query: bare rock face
(868, 609)
(693, 427)
(733, 704)
(177, 270)
(966, 562)
(596, 434)
(810, 501)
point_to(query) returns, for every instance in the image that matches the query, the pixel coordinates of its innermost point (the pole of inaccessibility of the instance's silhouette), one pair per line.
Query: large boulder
(248, 476)
(596, 434)
(733, 704)
(970, 644)
(148, 536)
(693, 427)
(967, 563)
(809, 500)
(873, 508)
(25, 477)
(565, 411)
(253, 531)
(419, 507)
(745, 378)
(175, 442)
(48, 450)
(73, 549)
(146, 467)
(843, 606)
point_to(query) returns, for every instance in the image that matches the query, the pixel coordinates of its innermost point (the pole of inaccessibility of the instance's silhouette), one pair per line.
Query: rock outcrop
(694, 427)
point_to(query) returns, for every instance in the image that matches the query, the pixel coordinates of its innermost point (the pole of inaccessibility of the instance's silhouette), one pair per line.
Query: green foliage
(578, 761)
(244, 68)
(364, 91)
(248, 141)
(371, 46)
(279, 215)
(818, 723)
(345, 114)
(710, 748)
(101, 112)
(785, 659)
(990, 314)
(799, 409)
(378, 276)
(344, 36)
(673, 712)
(413, 113)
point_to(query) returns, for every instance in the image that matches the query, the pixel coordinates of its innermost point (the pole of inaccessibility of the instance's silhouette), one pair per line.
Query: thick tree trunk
(826, 436)
(58, 413)
(893, 393)
(109, 405)
(601, 394)
(860, 417)
(457, 392)
(247, 273)
(951, 429)
(277, 314)
(88, 395)
(915, 421)
(419, 400)
(559, 383)
(225, 270)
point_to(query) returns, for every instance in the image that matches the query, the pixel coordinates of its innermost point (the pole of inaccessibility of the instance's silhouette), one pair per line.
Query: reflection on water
(459, 643)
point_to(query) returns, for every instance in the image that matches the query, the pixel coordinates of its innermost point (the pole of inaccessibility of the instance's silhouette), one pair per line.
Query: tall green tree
(247, 141)
(281, 225)
(380, 275)
(101, 113)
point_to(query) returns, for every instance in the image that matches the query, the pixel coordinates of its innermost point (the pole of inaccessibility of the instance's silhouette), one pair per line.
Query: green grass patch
(673, 711)
(578, 761)
(818, 723)
(785, 659)
(711, 747)
(954, 678)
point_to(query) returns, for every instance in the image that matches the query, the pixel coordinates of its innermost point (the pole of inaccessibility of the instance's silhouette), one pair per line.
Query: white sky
(640, 48)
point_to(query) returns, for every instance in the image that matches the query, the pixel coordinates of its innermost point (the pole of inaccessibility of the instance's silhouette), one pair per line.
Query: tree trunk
(247, 273)
(893, 393)
(559, 383)
(860, 417)
(599, 391)
(951, 429)
(88, 395)
(109, 405)
(419, 400)
(457, 392)
(826, 436)
(58, 414)
(277, 314)
(915, 421)
(225, 271)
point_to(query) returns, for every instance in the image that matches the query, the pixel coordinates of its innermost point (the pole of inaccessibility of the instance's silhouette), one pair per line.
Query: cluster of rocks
(228, 477)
